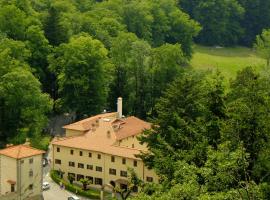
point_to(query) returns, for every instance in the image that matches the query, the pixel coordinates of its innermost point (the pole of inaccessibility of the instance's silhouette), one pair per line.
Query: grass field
(226, 60)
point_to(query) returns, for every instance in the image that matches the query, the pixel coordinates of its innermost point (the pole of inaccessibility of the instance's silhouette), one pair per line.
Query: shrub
(92, 194)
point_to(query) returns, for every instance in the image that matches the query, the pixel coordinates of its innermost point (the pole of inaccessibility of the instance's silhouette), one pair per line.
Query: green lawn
(226, 60)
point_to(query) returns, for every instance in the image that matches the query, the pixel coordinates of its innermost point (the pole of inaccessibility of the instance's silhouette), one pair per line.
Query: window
(98, 181)
(80, 165)
(112, 171)
(31, 160)
(132, 145)
(90, 155)
(113, 159)
(98, 169)
(30, 187)
(79, 177)
(99, 156)
(31, 173)
(81, 153)
(123, 161)
(123, 173)
(58, 149)
(90, 178)
(22, 161)
(90, 167)
(12, 188)
(135, 163)
(149, 179)
(57, 161)
(71, 152)
(71, 164)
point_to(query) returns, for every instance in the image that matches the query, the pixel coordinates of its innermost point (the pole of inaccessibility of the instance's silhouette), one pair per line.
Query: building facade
(21, 173)
(102, 148)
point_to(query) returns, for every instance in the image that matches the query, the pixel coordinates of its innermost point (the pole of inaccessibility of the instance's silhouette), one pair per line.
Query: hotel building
(102, 148)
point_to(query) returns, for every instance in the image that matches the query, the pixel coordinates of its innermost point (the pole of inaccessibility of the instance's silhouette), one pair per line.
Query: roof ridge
(126, 147)
(19, 150)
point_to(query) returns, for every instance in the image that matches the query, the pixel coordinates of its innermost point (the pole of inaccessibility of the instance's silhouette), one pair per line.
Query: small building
(102, 148)
(21, 173)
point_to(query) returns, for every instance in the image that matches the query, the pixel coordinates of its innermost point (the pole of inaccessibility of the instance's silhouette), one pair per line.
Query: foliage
(208, 143)
(93, 194)
(262, 45)
(41, 142)
(85, 182)
(81, 68)
(71, 178)
(133, 182)
(232, 22)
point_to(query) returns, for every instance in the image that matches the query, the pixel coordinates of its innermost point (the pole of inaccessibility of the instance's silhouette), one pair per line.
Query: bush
(92, 194)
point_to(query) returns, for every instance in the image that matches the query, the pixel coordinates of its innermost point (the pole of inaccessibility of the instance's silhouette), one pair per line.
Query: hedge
(73, 188)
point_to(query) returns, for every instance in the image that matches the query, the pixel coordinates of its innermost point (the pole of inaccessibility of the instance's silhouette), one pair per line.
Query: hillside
(227, 60)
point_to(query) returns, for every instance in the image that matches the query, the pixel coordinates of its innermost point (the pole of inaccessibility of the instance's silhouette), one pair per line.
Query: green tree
(248, 106)
(166, 64)
(262, 45)
(23, 106)
(219, 28)
(133, 183)
(85, 182)
(13, 22)
(71, 178)
(82, 69)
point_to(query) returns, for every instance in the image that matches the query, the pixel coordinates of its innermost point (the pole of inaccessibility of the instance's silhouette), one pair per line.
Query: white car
(45, 186)
(73, 198)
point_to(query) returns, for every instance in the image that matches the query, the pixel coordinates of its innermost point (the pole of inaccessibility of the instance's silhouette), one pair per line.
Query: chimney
(27, 142)
(119, 107)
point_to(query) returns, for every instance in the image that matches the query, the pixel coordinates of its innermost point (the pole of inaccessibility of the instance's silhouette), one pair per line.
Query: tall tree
(262, 45)
(82, 75)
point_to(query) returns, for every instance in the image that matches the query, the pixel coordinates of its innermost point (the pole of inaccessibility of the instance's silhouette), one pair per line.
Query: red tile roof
(132, 126)
(20, 151)
(86, 124)
(103, 138)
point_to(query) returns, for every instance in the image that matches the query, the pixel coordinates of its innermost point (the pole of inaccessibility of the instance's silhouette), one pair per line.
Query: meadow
(226, 60)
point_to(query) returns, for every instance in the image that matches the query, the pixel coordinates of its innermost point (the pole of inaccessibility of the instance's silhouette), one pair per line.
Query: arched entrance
(112, 183)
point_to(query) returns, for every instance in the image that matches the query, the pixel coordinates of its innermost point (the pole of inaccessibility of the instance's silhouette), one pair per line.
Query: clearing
(226, 60)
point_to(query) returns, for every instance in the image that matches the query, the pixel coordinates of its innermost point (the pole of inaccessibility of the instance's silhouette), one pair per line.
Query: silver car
(45, 186)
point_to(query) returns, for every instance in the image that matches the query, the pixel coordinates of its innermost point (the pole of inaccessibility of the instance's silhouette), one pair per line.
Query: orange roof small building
(20, 151)
(21, 172)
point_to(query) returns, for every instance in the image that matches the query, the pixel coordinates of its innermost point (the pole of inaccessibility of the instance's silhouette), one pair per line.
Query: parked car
(73, 198)
(44, 162)
(45, 186)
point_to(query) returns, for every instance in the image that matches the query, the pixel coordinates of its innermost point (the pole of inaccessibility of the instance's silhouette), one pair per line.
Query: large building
(102, 148)
(20, 173)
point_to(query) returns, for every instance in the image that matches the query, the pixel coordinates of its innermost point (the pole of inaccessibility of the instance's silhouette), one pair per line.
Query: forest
(210, 136)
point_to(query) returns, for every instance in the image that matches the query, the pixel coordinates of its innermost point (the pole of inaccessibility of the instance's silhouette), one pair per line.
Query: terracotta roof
(20, 151)
(104, 137)
(86, 124)
(132, 126)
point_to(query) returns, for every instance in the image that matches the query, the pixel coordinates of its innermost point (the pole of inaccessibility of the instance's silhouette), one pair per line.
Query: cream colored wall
(8, 171)
(105, 162)
(73, 132)
(36, 179)
(130, 141)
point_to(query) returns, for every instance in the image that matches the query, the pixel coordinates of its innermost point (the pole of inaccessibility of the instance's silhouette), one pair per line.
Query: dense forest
(210, 138)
